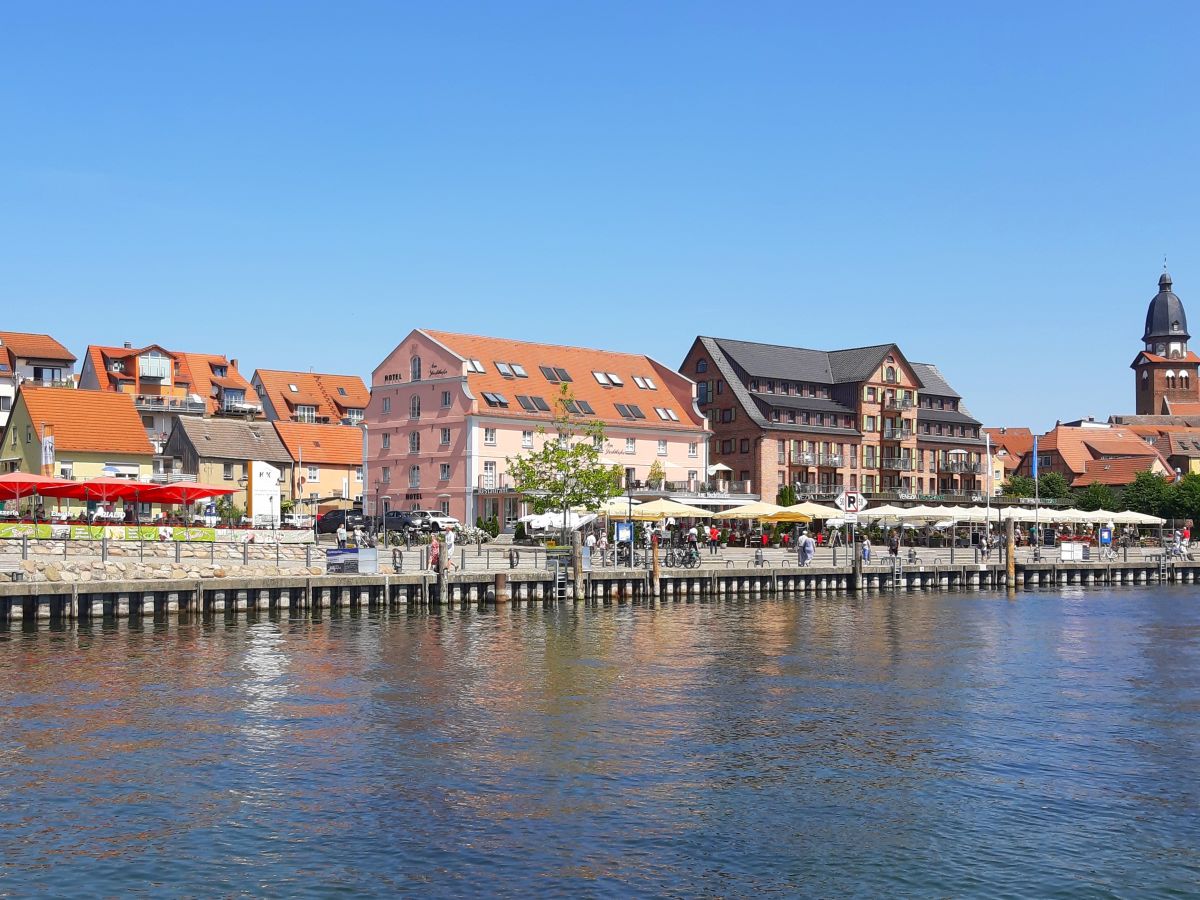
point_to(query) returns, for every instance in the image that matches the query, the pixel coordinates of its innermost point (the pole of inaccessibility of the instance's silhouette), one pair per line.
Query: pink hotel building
(447, 410)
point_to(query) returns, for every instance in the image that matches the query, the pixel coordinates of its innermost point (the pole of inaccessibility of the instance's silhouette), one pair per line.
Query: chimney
(128, 345)
(233, 363)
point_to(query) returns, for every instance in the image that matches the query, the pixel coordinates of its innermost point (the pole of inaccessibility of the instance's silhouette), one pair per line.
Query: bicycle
(690, 558)
(672, 558)
(1108, 554)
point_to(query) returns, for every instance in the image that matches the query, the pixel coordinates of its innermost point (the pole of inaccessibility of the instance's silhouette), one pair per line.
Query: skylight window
(562, 374)
(474, 365)
(617, 382)
(644, 383)
(585, 407)
(494, 399)
(293, 389)
(519, 370)
(636, 411)
(662, 414)
(602, 379)
(505, 369)
(526, 403)
(674, 417)
(342, 391)
(623, 410)
(541, 404)
(550, 374)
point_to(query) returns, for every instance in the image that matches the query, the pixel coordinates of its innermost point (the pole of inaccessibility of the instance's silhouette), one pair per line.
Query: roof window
(617, 382)
(550, 374)
(602, 379)
(494, 399)
(645, 384)
(518, 370)
(342, 391)
(624, 411)
(293, 389)
(505, 369)
(636, 411)
(526, 403)
(541, 404)
(474, 365)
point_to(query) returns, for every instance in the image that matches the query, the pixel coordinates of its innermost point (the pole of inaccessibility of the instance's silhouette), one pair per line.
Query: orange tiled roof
(1079, 446)
(329, 444)
(33, 346)
(332, 395)
(672, 391)
(1155, 358)
(1017, 441)
(1117, 471)
(1182, 407)
(88, 421)
(199, 366)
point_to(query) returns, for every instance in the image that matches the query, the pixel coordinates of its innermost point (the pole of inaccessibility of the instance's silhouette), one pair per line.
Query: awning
(718, 467)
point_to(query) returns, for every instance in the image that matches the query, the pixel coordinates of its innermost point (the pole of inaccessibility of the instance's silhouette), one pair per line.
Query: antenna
(1164, 262)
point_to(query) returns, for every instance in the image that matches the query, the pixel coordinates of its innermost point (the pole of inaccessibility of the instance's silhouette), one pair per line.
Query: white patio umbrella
(878, 513)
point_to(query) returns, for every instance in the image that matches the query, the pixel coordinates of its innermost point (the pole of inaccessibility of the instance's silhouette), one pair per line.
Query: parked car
(296, 520)
(401, 520)
(329, 522)
(439, 521)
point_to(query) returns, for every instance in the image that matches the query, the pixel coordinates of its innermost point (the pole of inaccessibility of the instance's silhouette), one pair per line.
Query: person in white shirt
(590, 543)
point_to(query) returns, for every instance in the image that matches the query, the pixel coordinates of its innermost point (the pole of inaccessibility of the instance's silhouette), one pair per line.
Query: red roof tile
(671, 390)
(1115, 471)
(332, 395)
(334, 445)
(34, 346)
(88, 421)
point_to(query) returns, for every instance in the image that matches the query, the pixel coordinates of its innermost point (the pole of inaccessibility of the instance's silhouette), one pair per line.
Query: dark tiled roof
(775, 361)
(933, 380)
(857, 364)
(811, 404)
(954, 416)
(233, 439)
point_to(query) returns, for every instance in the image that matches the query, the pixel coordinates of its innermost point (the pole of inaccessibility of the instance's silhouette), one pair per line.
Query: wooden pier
(119, 599)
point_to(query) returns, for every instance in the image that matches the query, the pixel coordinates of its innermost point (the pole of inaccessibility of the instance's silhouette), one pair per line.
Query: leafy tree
(1096, 496)
(1185, 499)
(1019, 486)
(657, 474)
(1053, 486)
(566, 471)
(786, 496)
(1149, 493)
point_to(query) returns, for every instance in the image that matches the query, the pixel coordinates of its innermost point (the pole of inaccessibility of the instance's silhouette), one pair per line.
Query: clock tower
(1165, 369)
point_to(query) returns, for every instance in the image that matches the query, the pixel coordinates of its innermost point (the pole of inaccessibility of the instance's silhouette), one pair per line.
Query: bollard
(24, 546)
(103, 548)
(463, 557)
(308, 556)
(245, 553)
(277, 553)
(177, 551)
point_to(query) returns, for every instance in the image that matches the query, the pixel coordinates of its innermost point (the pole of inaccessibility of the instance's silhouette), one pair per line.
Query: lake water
(943, 744)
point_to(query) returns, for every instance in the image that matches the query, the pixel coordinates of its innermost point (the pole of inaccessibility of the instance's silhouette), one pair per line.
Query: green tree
(1019, 486)
(786, 496)
(656, 474)
(1185, 499)
(1096, 496)
(567, 471)
(1149, 493)
(1053, 486)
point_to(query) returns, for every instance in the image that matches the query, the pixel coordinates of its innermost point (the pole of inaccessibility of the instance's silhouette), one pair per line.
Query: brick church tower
(1165, 370)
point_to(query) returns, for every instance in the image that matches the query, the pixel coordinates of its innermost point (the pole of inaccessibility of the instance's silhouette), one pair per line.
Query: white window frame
(662, 447)
(444, 471)
(630, 445)
(313, 473)
(445, 437)
(489, 437)
(386, 441)
(387, 404)
(601, 378)
(693, 451)
(527, 440)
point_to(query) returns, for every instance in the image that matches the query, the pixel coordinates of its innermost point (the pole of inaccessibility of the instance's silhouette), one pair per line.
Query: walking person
(435, 553)
(866, 549)
(590, 543)
(810, 548)
(451, 537)
(714, 538)
(894, 544)
(341, 536)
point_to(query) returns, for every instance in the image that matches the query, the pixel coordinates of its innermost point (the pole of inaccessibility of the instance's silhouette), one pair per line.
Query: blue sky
(299, 184)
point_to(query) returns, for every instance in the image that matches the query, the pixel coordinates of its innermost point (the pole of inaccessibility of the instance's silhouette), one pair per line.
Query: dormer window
(1175, 326)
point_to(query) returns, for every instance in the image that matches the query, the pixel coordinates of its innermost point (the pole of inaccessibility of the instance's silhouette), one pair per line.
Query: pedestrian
(341, 536)
(602, 545)
(866, 549)
(1187, 535)
(590, 543)
(894, 544)
(435, 553)
(714, 538)
(810, 549)
(766, 538)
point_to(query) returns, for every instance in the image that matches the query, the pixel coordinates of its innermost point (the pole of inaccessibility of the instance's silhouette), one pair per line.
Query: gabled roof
(1155, 358)
(332, 395)
(802, 364)
(231, 439)
(934, 382)
(18, 344)
(199, 369)
(334, 445)
(1078, 446)
(671, 391)
(87, 421)
(1182, 407)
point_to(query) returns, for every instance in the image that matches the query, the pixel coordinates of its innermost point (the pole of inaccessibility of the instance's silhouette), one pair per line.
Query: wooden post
(1011, 553)
(654, 570)
(577, 564)
(441, 573)
(856, 562)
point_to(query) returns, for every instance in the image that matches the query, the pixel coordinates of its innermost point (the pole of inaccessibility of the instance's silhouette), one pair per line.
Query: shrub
(519, 532)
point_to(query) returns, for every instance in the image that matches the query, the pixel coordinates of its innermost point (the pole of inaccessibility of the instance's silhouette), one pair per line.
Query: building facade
(866, 419)
(166, 385)
(328, 464)
(223, 451)
(1164, 370)
(311, 397)
(36, 359)
(91, 436)
(447, 411)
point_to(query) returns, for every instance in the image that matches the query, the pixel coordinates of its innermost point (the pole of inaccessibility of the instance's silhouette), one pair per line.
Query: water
(927, 744)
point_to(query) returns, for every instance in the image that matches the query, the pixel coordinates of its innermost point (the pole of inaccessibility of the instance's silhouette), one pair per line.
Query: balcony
(492, 484)
(819, 490)
(240, 408)
(680, 490)
(804, 459)
(897, 434)
(171, 477)
(960, 467)
(159, 403)
(833, 460)
(898, 403)
(896, 464)
(45, 382)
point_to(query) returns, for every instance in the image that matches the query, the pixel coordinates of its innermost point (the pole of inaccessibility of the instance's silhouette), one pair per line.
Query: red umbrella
(15, 485)
(184, 493)
(101, 490)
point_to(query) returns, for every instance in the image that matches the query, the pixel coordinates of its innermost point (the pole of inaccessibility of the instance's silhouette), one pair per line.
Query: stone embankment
(40, 570)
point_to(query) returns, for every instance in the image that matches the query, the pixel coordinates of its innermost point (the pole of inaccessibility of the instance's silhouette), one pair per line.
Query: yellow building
(76, 435)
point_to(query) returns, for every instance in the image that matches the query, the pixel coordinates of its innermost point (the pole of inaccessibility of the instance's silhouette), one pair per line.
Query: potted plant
(656, 475)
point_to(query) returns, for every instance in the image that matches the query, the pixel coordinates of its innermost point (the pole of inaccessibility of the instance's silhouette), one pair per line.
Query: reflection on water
(926, 743)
